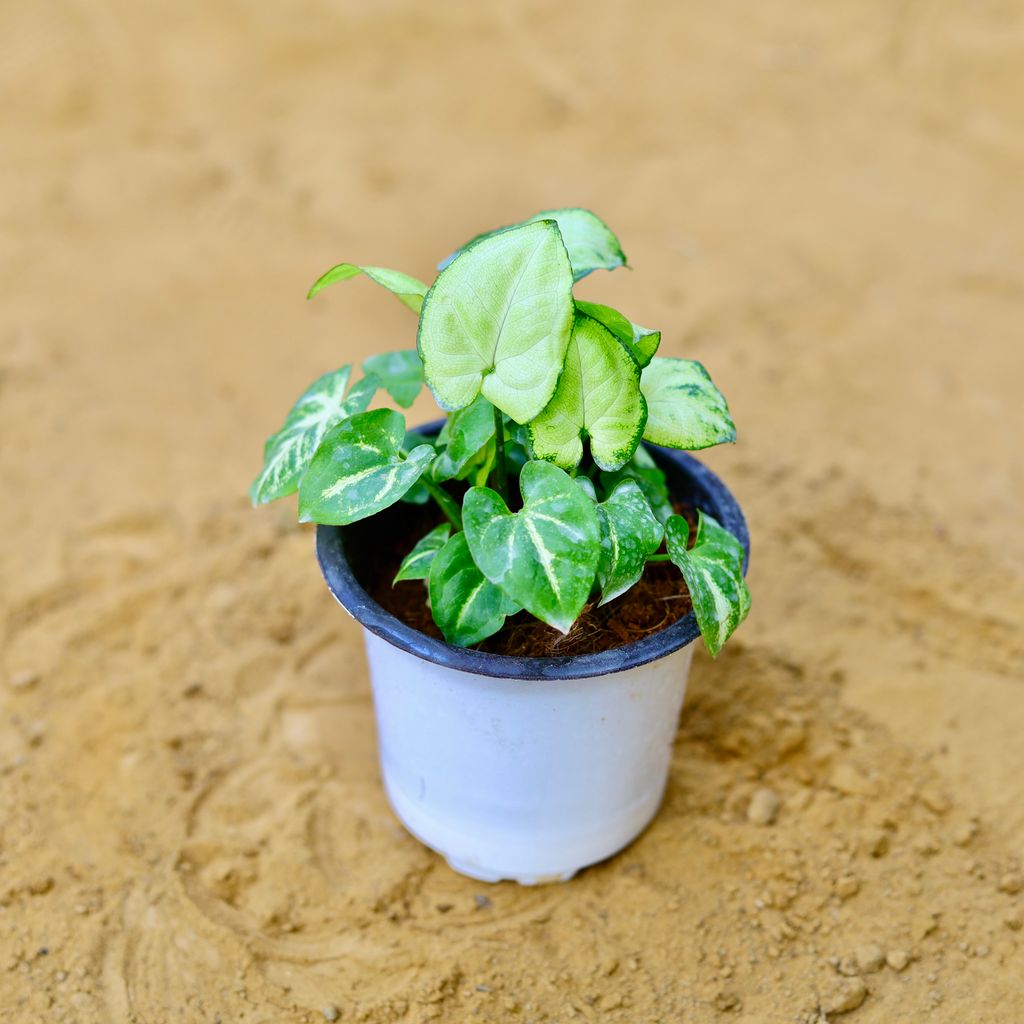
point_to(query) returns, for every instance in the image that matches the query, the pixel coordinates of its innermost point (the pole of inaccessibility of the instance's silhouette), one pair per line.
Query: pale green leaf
(498, 321)
(630, 533)
(598, 396)
(400, 374)
(287, 453)
(466, 435)
(640, 342)
(586, 485)
(590, 242)
(545, 556)
(650, 479)
(416, 564)
(360, 469)
(406, 289)
(713, 570)
(466, 606)
(684, 409)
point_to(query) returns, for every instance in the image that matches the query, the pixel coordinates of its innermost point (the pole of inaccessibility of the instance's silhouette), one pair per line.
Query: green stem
(501, 469)
(659, 558)
(445, 500)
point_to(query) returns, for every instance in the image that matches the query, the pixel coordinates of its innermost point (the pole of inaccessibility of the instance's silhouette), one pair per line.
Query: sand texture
(822, 202)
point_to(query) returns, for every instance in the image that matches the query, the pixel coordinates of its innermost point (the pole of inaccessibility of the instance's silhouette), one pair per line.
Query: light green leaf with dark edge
(497, 321)
(416, 564)
(545, 556)
(466, 606)
(360, 469)
(590, 242)
(650, 479)
(408, 290)
(640, 342)
(400, 374)
(684, 408)
(713, 570)
(466, 435)
(630, 533)
(287, 453)
(598, 396)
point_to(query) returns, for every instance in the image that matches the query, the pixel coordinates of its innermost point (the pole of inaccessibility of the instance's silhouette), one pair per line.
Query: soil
(657, 600)
(821, 202)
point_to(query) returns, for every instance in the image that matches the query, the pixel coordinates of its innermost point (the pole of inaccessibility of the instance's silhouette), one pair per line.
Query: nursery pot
(524, 768)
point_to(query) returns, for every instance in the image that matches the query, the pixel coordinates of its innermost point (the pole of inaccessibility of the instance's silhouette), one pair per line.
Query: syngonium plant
(539, 386)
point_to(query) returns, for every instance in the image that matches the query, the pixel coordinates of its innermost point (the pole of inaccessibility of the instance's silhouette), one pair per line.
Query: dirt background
(821, 202)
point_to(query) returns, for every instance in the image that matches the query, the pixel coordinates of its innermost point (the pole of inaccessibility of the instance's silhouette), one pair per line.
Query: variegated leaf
(360, 469)
(416, 564)
(713, 570)
(408, 290)
(498, 321)
(399, 373)
(630, 533)
(545, 556)
(640, 342)
(651, 480)
(287, 453)
(684, 409)
(598, 396)
(466, 435)
(466, 606)
(590, 242)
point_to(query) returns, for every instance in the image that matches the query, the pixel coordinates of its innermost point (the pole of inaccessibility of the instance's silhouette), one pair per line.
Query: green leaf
(416, 564)
(713, 570)
(640, 342)
(684, 409)
(359, 469)
(287, 453)
(498, 321)
(466, 606)
(651, 480)
(598, 396)
(407, 289)
(545, 556)
(400, 374)
(630, 533)
(589, 241)
(467, 433)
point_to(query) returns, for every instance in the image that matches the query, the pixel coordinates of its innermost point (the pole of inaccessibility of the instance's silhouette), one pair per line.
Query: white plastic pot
(523, 768)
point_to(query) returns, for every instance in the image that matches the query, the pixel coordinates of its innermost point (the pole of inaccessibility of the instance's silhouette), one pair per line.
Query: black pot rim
(692, 480)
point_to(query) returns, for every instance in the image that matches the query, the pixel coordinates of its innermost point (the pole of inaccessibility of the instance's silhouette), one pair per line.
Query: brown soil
(656, 601)
(822, 203)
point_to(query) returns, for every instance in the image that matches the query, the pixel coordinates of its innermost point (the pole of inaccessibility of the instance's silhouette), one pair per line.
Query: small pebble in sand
(1014, 921)
(726, 1001)
(844, 996)
(763, 807)
(1012, 883)
(23, 680)
(482, 902)
(897, 959)
(330, 1013)
(869, 958)
(847, 886)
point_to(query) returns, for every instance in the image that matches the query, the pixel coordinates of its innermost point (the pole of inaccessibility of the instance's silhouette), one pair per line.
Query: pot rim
(706, 490)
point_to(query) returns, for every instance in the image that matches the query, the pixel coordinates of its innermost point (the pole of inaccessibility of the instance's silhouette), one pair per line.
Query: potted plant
(553, 504)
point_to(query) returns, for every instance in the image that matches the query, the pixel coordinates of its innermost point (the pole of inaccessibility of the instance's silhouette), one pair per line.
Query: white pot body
(528, 780)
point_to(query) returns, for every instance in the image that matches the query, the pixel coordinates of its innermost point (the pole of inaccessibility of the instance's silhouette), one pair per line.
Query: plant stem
(659, 558)
(445, 500)
(501, 469)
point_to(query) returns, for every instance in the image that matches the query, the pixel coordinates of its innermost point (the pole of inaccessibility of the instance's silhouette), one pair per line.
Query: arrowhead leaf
(497, 321)
(360, 469)
(399, 373)
(287, 453)
(684, 408)
(651, 480)
(598, 396)
(466, 606)
(416, 564)
(467, 434)
(408, 290)
(713, 570)
(545, 556)
(630, 533)
(589, 241)
(640, 342)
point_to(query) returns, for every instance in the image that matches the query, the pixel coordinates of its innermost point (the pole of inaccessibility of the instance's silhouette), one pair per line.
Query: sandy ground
(822, 202)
